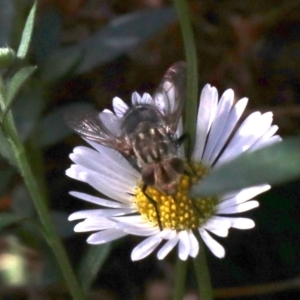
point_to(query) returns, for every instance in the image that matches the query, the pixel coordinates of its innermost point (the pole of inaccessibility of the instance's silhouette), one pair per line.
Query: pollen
(178, 211)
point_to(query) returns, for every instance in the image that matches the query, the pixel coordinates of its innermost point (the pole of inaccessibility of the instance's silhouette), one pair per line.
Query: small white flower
(127, 211)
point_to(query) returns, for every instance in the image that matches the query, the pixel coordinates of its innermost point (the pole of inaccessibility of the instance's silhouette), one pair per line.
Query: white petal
(110, 179)
(184, 245)
(107, 111)
(105, 236)
(255, 126)
(111, 123)
(88, 213)
(228, 127)
(243, 196)
(135, 219)
(218, 225)
(135, 98)
(239, 208)
(248, 193)
(101, 185)
(140, 231)
(102, 168)
(113, 157)
(147, 99)
(97, 213)
(212, 244)
(242, 223)
(267, 139)
(146, 247)
(194, 245)
(73, 172)
(206, 112)
(217, 222)
(140, 227)
(167, 247)
(169, 234)
(223, 110)
(97, 200)
(221, 231)
(120, 107)
(264, 138)
(108, 160)
(93, 225)
(266, 143)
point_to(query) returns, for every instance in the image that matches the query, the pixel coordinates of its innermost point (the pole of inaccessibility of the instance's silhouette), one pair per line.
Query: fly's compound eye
(177, 165)
(148, 175)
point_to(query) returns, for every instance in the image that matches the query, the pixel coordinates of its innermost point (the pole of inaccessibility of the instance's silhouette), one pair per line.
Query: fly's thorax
(152, 144)
(139, 114)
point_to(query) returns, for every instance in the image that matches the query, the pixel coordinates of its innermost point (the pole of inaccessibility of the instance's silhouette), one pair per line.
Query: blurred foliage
(87, 52)
(244, 169)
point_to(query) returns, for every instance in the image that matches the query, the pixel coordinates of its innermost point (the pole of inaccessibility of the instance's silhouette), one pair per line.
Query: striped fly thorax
(150, 140)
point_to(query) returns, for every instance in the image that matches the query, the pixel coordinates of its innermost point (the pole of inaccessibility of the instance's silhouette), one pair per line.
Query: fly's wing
(103, 128)
(170, 95)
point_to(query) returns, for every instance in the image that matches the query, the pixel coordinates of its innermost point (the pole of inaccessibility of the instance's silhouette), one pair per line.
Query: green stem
(40, 202)
(202, 274)
(192, 66)
(181, 267)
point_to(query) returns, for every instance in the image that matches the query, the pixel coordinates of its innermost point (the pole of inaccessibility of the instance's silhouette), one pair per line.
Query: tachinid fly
(144, 133)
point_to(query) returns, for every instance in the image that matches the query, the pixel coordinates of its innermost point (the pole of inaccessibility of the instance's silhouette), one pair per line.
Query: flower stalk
(192, 67)
(202, 274)
(180, 279)
(201, 268)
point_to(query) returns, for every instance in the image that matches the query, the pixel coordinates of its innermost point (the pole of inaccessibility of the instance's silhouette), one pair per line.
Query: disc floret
(178, 211)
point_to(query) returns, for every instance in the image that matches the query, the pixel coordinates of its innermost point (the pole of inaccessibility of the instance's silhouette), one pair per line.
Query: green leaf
(120, 36)
(7, 219)
(91, 263)
(15, 85)
(5, 148)
(273, 165)
(27, 33)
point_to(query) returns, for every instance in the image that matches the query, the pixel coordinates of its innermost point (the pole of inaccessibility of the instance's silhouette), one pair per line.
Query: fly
(146, 133)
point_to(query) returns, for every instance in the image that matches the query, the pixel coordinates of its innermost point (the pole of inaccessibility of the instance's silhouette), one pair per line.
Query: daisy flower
(128, 211)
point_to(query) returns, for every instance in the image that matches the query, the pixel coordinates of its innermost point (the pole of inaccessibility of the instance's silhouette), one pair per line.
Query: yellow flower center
(178, 211)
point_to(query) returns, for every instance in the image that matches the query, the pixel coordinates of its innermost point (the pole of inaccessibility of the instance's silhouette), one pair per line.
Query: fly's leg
(182, 138)
(153, 202)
